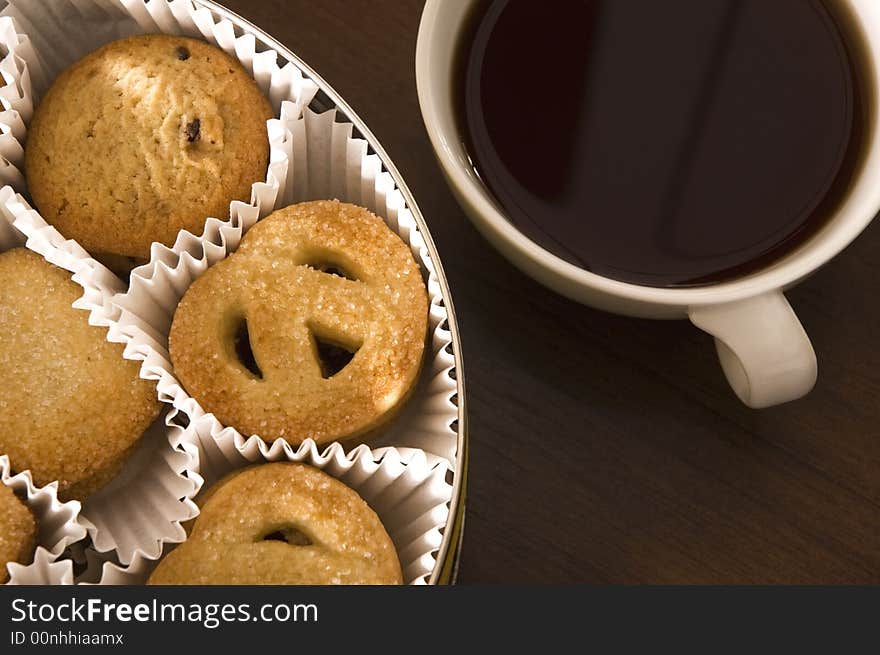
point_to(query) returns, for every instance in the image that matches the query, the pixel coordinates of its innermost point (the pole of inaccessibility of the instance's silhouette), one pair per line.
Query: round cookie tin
(309, 118)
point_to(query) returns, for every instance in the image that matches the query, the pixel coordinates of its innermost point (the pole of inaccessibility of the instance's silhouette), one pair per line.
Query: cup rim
(858, 211)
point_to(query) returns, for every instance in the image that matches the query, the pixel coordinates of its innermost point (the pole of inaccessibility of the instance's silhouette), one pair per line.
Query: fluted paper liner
(407, 490)
(57, 530)
(320, 159)
(143, 506)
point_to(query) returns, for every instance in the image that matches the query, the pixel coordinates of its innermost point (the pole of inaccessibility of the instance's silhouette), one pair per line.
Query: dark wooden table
(606, 449)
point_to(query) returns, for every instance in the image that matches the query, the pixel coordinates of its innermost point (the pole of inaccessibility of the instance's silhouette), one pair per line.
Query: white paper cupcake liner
(143, 506)
(319, 159)
(57, 530)
(16, 102)
(408, 491)
(104, 569)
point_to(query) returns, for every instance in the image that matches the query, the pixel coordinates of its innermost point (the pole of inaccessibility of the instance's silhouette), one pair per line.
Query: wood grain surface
(606, 449)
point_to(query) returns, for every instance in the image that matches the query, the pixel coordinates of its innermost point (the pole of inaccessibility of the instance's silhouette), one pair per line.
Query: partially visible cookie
(18, 531)
(282, 524)
(72, 408)
(144, 137)
(314, 328)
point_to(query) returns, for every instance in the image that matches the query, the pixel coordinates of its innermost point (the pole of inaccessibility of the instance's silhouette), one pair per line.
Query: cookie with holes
(144, 137)
(18, 531)
(314, 328)
(282, 524)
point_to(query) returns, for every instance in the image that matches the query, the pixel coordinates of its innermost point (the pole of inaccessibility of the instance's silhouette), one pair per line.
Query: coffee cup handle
(765, 353)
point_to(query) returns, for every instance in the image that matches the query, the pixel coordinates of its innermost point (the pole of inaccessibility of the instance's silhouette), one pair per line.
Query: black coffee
(664, 143)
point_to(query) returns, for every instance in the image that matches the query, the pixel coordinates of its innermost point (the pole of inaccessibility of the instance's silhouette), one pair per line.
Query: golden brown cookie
(71, 408)
(18, 531)
(144, 137)
(282, 524)
(315, 327)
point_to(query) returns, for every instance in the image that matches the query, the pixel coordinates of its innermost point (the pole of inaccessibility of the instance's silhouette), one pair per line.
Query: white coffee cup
(764, 351)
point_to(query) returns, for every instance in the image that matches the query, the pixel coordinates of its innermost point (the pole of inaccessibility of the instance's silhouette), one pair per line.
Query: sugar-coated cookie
(144, 137)
(315, 327)
(282, 524)
(71, 408)
(18, 531)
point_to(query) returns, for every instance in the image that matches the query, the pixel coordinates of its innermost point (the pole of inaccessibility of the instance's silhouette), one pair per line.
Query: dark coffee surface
(665, 143)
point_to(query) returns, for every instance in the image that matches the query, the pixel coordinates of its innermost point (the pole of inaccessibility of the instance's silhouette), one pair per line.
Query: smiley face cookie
(314, 328)
(18, 531)
(72, 408)
(282, 524)
(144, 137)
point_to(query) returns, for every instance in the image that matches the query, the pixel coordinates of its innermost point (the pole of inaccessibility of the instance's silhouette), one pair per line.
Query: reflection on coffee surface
(671, 143)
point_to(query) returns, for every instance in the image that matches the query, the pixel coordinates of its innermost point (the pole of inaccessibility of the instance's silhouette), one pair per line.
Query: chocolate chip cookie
(144, 137)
